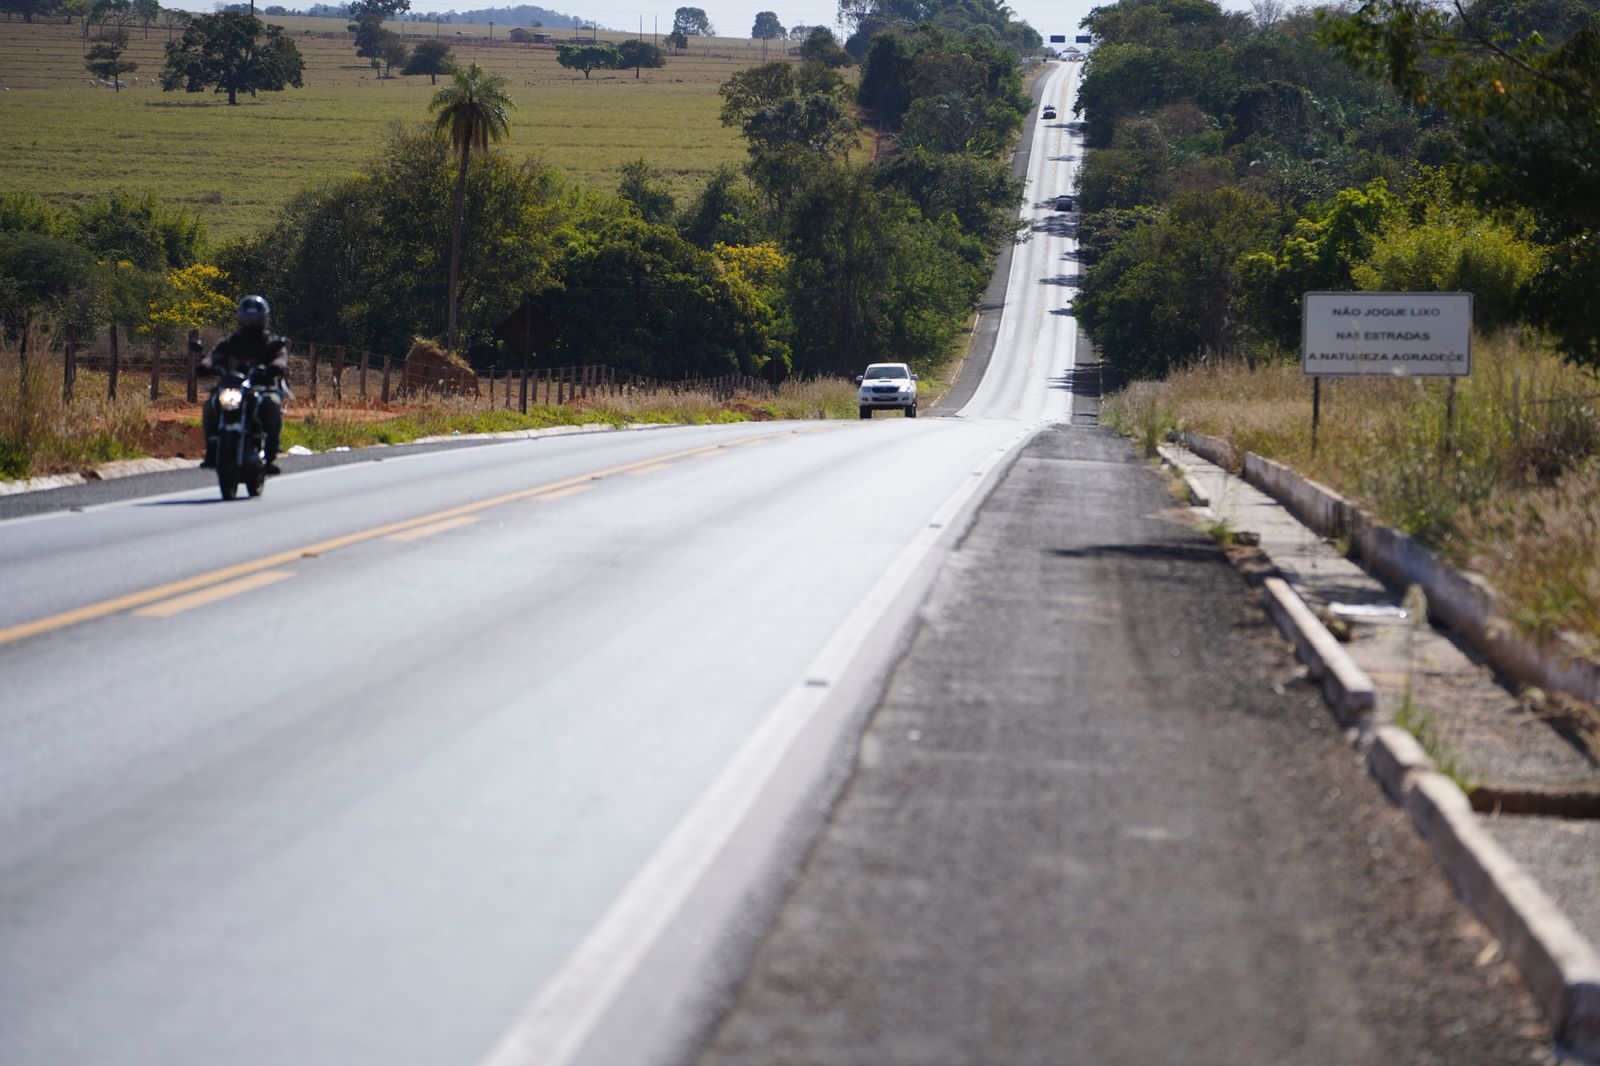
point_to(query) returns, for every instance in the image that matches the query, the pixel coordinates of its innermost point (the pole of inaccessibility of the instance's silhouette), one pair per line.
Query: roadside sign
(1401, 334)
(1058, 38)
(1084, 38)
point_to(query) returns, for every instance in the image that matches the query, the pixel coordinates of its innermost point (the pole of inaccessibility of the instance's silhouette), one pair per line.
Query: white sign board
(1406, 334)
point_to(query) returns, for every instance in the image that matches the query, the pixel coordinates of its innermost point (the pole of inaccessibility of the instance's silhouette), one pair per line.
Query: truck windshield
(886, 372)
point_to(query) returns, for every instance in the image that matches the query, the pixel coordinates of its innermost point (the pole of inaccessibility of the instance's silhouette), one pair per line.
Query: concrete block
(1347, 688)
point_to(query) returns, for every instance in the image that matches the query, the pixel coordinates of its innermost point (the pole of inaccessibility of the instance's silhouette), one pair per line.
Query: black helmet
(253, 312)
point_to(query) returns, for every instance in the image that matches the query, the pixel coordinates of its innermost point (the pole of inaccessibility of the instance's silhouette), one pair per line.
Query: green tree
(472, 112)
(1527, 109)
(362, 261)
(692, 22)
(643, 186)
(371, 38)
(40, 274)
(395, 54)
(232, 53)
(29, 8)
(105, 58)
(431, 57)
(25, 212)
(767, 27)
(1171, 290)
(725, 211)
(641, 297)
(1454, 248)
(146, 11)
(587, 57)
(361, 10)
(136, 228)
(677, 40)
(637, 54)
(780, 107)
(820, 46)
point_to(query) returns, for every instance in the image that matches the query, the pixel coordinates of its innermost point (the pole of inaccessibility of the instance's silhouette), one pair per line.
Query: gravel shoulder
(1097, 818)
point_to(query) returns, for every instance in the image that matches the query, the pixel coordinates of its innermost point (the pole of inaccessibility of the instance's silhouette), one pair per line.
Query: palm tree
(472, 111)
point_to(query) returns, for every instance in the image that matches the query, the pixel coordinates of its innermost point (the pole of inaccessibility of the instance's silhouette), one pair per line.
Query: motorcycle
(241, 440)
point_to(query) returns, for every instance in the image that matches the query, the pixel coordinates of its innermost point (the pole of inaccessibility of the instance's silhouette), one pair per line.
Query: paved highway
(426, 760)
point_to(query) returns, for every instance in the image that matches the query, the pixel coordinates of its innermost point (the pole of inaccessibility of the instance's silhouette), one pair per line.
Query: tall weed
(1503, 477)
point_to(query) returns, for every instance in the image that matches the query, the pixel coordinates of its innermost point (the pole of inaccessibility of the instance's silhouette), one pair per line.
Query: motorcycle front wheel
(228, 465)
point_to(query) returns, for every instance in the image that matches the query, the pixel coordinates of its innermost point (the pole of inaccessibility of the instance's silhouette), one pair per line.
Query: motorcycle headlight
(230, 399)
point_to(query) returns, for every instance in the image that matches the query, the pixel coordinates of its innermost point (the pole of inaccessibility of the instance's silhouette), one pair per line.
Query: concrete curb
(39, 484)
(1461, 600)
(130, 467)
(103, 472)
(1394, 758)
(1197, 496)
(1346, 687)
(1561, 969)
(1559, 965)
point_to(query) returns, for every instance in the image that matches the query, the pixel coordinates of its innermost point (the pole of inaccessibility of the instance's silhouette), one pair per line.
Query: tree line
(861, 226)
(1238, 161)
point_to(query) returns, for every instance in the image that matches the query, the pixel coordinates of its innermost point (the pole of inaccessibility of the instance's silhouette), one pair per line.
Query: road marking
(563, 493)
(179, 604)
(648, 469)
(553, 1028)
(116, 605)
(437, 527)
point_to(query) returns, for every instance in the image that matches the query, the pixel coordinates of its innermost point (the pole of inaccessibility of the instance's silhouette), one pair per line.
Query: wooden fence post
(116, 364)
(311, 350)
(191, 381)
(69, 364)
(155, 369)
(384, 398)
(338, 374)
(522, 391)
(366, 357)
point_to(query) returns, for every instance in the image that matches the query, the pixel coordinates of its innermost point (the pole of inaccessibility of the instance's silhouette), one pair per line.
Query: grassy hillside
(64, 138)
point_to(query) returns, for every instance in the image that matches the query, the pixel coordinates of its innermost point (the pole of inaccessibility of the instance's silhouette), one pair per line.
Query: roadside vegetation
(861, 226)
(1509, 487)
(442, 416)
(1237, 162)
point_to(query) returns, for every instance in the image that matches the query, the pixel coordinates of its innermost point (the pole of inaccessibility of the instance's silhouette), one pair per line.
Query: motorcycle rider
(246, 348)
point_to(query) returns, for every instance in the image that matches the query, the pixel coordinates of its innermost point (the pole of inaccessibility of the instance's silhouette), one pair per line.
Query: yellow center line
(573, 491)
(132, 600)
(167, 608)
(437, 527)
(648, 469)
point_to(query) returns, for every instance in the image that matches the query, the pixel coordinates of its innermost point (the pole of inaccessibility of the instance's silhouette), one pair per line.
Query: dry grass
(41, 433)
(1508, 485)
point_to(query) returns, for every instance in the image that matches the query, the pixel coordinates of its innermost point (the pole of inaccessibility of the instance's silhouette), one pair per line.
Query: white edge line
(553, 1028)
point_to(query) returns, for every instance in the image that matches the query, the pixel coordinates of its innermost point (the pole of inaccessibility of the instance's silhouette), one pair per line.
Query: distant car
(887, 385)
(1049, 112)
(1064, 202)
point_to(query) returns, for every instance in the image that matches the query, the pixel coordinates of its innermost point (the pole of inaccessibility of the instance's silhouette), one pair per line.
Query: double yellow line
(230, 580)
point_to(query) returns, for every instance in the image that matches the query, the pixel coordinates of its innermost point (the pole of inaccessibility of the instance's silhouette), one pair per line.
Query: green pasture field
(64, 138)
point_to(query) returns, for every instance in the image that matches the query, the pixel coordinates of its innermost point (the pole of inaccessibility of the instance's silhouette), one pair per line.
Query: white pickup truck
(890, 385)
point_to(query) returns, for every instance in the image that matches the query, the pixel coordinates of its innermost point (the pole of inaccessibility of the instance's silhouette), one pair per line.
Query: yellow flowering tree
(191, 297)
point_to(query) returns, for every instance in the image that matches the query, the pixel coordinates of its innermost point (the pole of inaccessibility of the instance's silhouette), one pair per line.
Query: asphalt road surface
(491, 755)
(1099, 819)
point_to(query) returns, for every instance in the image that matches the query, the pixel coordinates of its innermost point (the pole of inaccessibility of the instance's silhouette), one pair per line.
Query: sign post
(1385, 334)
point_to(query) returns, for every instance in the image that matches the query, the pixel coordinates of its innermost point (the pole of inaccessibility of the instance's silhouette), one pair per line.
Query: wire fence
(337, 375)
